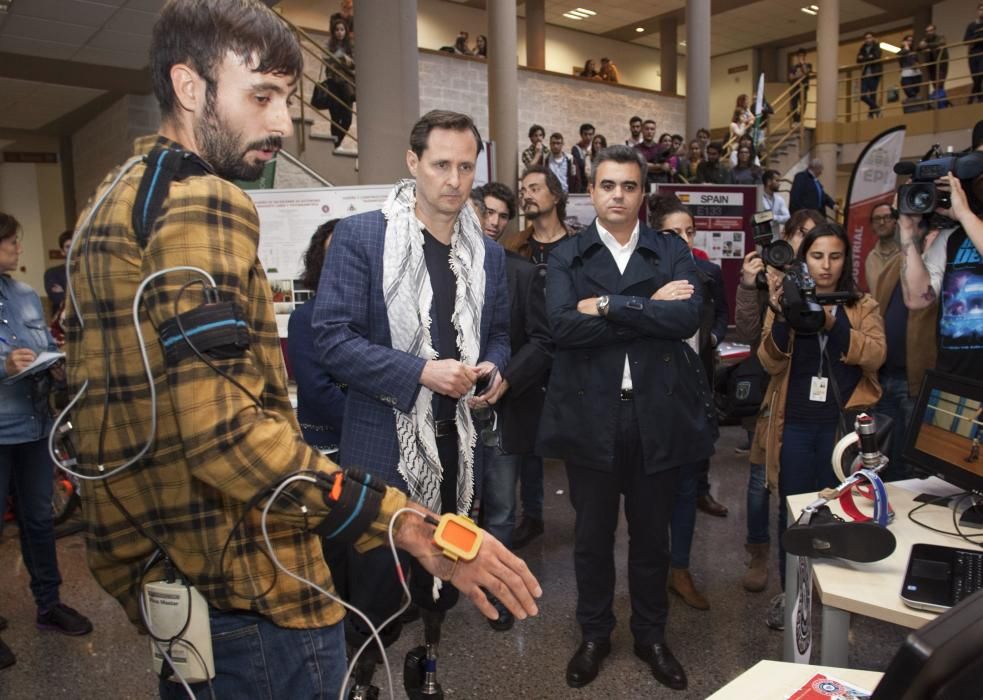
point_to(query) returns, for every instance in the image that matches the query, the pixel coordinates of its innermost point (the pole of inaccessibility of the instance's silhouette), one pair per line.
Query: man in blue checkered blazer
(412, 313)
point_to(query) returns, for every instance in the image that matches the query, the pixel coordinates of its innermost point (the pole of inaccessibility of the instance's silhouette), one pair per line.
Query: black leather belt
(445, 428)
(627, 394)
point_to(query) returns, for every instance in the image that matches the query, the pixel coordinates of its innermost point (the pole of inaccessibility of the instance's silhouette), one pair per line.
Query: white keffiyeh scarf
(408, 294)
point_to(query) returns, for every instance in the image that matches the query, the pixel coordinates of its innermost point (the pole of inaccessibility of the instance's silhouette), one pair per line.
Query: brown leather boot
(681, 583)
(756, 576)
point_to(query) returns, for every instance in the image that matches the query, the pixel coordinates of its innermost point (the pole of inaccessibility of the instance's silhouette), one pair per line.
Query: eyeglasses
(882, 219)
(488, 420)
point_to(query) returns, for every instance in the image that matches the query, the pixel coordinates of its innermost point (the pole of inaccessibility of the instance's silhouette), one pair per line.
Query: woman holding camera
(752, 302)
(810, 374)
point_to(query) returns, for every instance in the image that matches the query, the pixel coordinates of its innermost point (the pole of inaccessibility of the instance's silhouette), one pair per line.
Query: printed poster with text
(722, 216)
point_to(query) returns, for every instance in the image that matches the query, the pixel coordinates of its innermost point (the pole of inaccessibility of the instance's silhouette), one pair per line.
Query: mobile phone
(483, 383)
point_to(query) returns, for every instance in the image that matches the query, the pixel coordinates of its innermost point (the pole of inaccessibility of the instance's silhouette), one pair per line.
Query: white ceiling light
(809, 11)
(814, 7)
(639, 29)
(890, 48)
(580, 14)
(589, 13)
(570, 15)
(682, 43)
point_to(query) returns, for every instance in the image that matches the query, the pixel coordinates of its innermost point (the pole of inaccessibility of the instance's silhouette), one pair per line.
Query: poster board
(287, 220)
(723, 226)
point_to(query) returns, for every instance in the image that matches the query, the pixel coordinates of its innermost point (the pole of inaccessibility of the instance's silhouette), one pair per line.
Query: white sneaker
(776, 613)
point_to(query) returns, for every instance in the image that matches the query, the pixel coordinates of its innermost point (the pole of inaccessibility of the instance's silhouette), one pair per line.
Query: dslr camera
(802, 307)
(920, 196)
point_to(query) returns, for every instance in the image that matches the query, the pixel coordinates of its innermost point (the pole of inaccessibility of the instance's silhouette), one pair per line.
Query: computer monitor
(942, 660)
(946, 430)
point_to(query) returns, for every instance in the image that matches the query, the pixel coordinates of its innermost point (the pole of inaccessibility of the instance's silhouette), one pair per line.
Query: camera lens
(778, 254)
(918, 198)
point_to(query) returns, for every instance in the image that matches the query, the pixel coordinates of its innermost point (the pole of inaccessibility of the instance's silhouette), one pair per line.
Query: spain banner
(872, 183)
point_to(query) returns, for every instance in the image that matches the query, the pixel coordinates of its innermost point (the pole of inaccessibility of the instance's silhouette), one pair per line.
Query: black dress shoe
(527, 530)
(586, 662)
(664, 666)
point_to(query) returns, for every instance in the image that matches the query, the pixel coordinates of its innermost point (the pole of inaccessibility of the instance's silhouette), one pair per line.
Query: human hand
(448, 377)
(494, 396)
(753, 264)
(775, 289)
(484, 369)
(677, 290)
(588, 306)
(494, 569)
(18, 360)
(959, 208)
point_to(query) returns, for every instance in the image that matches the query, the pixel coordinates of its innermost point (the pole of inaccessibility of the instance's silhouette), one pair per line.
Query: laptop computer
(944, 440)
(939, 577)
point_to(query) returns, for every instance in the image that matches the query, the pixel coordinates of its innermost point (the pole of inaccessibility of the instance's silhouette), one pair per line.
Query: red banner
(872, 183)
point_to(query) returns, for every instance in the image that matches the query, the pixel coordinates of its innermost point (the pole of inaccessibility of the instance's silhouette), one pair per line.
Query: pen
(6, 342)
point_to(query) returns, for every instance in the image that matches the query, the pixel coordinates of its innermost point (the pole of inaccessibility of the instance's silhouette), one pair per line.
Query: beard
(533, 212)
(222, 148)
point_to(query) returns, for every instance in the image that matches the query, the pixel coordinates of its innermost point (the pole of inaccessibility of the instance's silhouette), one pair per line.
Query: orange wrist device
(458, 536)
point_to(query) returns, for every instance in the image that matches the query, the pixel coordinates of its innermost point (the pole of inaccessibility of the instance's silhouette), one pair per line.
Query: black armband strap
(217, 330)
(354, 499)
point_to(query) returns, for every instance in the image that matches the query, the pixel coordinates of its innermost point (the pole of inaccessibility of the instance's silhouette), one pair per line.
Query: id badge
(817, 392)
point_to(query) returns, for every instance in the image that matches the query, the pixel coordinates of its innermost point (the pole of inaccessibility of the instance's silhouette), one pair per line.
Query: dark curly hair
(314, 257)
(663, 205)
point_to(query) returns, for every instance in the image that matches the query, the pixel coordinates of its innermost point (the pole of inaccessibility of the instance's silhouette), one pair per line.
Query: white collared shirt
(779, 209)
(622, 254)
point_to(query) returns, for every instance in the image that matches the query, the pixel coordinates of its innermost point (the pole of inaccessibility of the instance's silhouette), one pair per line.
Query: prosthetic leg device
(420, 666)
(820, 533)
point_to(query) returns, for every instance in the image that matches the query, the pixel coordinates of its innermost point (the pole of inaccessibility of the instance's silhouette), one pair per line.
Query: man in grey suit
(412, 314)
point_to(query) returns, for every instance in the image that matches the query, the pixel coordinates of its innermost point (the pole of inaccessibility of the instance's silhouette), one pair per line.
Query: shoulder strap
(164, 166)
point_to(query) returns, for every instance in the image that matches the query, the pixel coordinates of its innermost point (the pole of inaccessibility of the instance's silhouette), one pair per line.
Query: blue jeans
(498, 492)
(256, 659)
(758, 505)
(807, 451)
(896, 403)
(868, 90)
(683, 520)
(28, 469)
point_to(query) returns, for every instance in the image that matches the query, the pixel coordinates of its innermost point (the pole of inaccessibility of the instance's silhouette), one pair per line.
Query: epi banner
(872, 183)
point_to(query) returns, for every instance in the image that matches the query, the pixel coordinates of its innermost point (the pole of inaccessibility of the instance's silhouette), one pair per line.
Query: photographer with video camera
(746, 386)
(822, 343)
(946, 195)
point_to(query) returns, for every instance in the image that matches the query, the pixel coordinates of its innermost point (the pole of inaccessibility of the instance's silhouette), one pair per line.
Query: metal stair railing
(327, 66)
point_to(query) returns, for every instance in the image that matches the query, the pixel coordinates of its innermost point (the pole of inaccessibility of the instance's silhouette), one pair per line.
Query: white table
(774, 680)
(872, 590)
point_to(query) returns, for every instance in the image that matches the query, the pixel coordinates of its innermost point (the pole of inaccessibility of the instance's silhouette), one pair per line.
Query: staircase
(312, 143)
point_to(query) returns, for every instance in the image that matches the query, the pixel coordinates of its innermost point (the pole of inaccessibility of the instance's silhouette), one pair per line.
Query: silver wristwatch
(603, 302)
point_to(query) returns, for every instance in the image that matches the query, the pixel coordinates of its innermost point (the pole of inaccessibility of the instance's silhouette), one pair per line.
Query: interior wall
(107, 141)
(439, 21)
(951, 18)
(726, 86)
(32, 193)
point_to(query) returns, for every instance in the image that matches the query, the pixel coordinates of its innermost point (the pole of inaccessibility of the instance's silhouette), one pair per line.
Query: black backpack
(741, 388)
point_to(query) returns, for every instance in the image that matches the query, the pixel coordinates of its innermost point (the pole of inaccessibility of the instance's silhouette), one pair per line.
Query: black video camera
(921, 196)
(802, 307)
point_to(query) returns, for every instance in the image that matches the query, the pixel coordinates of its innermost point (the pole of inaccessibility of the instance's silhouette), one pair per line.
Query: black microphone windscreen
(905, 167)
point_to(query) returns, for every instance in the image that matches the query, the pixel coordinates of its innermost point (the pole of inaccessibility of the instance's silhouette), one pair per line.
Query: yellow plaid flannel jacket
(213, 448)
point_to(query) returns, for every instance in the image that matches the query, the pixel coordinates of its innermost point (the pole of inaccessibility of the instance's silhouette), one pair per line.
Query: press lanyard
(823, 339)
